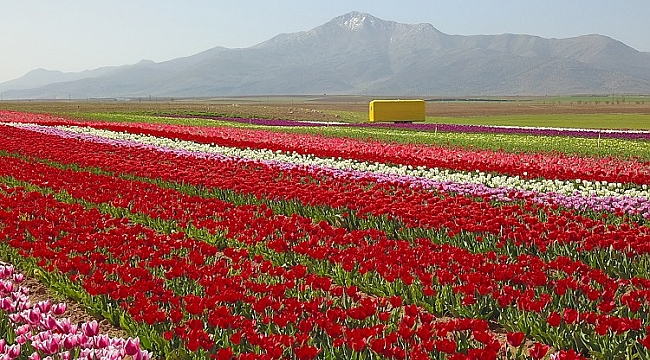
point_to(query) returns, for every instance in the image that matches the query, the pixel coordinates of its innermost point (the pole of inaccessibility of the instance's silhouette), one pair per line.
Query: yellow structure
(396, 110)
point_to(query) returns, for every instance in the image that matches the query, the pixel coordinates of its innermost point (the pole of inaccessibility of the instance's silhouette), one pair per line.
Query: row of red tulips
(537, 165)
(397, 257)
(363, 250)
(217, 302)
(414, 207)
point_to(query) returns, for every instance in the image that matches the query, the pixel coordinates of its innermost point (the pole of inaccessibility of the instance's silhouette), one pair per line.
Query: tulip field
(250, 242)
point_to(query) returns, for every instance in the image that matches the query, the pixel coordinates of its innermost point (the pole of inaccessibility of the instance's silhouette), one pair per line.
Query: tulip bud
(7, 305)
(90, 329)
(49, 323)
(65, 326)
(18, 278)
(132, 346)
(13, 351)
(59, 309)
(51, 346)
(44, 306)
(8, 287)
(69, 342)
(6, 271)
(102, 341)
(34, 316)
(22, 329)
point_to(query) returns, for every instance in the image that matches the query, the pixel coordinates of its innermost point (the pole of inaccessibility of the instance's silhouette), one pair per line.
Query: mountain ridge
(357, 53)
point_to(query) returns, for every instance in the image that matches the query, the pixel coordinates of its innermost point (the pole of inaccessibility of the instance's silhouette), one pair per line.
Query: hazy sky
(76, 35)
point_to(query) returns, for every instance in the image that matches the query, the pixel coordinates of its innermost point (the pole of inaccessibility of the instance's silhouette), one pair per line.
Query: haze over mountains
(357, 53)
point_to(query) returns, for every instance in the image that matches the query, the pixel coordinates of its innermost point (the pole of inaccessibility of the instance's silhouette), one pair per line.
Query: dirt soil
(74, 311)
(325, 109)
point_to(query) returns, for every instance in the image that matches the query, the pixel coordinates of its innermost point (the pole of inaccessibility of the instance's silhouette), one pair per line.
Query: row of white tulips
(569, 188)
(576, 194)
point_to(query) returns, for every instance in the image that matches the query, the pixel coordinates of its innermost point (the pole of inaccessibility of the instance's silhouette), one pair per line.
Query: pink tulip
(18, 278)
(65, 326)
(7, 305)
(8, 287)
(49, 323)
(88, 353)
(50, 346)
(21, 339)
(44, 306)
(142, 355)
(132, 346)
(90, 329)
(83, 340)
(102, 341)
(59, 309)
(34, 356)
(13, 351)
(23, 329)
(34, 316)
(6, 271)
(69, 342)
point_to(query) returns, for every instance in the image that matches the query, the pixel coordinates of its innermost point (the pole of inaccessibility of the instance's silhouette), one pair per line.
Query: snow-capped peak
(355, 20)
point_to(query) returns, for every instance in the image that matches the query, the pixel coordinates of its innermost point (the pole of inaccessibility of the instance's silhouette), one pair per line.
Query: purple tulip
(480, 129)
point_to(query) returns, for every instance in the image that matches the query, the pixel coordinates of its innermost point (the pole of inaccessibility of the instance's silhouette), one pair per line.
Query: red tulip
(515, 338)
(539, 350)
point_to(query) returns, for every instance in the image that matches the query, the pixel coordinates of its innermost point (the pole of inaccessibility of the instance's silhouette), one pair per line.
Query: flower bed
(203, 254)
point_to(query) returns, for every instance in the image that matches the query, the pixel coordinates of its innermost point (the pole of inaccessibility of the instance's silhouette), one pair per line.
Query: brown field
(327, 108)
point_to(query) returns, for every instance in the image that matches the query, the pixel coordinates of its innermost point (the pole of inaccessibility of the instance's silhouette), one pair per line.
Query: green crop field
(585, 121)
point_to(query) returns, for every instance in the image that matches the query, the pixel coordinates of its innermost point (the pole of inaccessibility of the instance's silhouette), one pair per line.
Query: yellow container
(396, 110)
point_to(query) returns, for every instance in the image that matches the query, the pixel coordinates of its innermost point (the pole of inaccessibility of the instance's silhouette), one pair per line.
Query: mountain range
(357, 53)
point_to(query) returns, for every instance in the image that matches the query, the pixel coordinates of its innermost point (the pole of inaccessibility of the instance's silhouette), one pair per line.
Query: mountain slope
(41, 77)
(357, 53)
